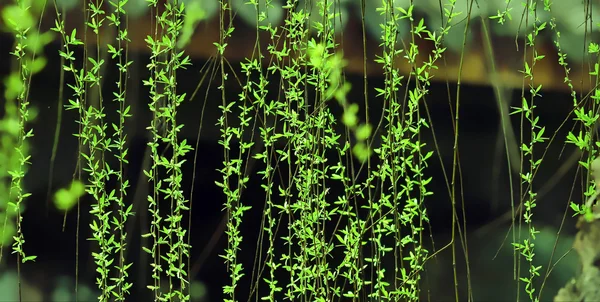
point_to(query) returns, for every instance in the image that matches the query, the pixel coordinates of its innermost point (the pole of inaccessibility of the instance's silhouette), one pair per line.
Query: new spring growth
(595, 169)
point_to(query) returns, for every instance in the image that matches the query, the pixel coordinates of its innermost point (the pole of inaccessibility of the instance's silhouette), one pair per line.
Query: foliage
(364, 244)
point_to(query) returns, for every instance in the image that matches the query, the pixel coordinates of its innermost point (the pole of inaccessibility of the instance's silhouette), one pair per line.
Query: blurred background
(490, 81)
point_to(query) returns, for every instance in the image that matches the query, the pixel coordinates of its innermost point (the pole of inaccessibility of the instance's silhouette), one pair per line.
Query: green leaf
(65, 199)
(17, 18)
(363, 132)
